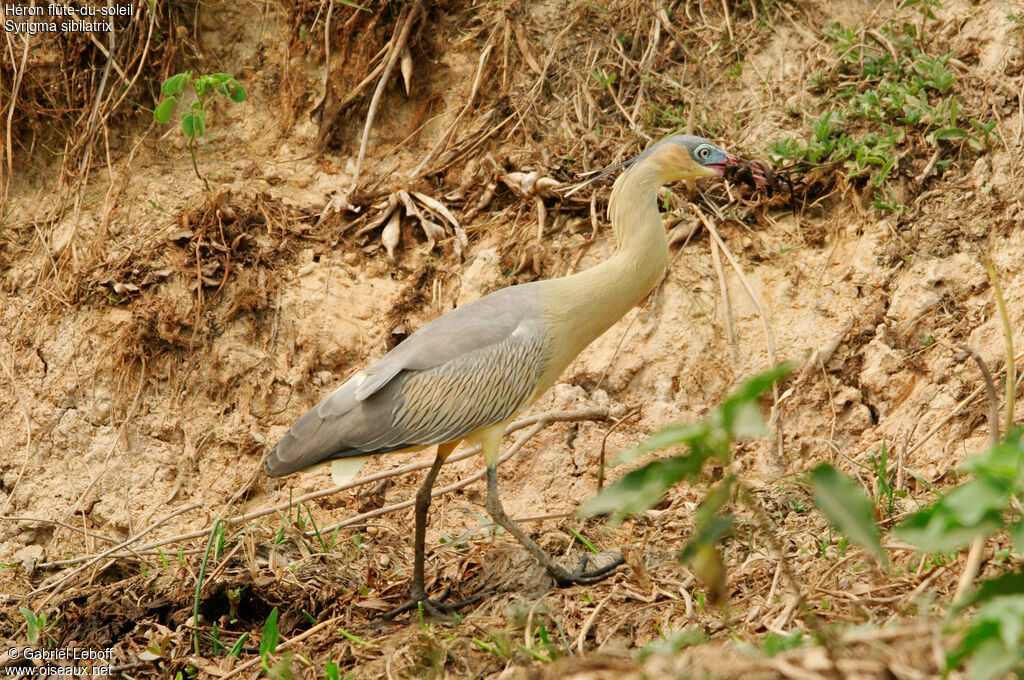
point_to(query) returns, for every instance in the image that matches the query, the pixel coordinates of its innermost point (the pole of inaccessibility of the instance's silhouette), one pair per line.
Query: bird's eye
(703, 152)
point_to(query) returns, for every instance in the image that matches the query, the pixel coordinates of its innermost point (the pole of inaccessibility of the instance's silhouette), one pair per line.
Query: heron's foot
(582, 577)
(437, 608)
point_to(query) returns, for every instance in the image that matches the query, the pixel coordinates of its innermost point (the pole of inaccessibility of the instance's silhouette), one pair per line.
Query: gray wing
(470, 368)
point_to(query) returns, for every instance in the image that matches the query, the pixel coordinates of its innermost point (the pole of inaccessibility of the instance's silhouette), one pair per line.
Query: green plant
(210, 542)
(331, 670)
(35, 624)
(269, 639)
(886, 79)
(707, 440)
(983, 505)
(992, 644)
(193, 120)
(710, 440)
(885, 494)
(774, 643)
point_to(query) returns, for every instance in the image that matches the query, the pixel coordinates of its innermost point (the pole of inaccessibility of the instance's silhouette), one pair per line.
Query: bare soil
(155, 339)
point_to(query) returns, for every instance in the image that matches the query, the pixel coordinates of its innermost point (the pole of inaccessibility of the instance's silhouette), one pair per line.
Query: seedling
(35, 624)
(193, 120)
(331, 670)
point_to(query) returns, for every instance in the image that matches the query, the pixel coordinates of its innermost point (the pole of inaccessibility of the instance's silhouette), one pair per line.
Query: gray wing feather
(468, 369)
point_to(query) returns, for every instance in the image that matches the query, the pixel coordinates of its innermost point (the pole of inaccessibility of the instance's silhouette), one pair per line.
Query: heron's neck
(586, 304)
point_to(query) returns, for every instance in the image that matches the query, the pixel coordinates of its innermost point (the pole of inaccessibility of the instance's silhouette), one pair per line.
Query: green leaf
(175, 84)
(671, 646)
(32, 624)
(271, 636)
(200, 120)
(993, 641)
(847, 508)
(950, 133)
(737, 417)
(188, 124)
(162, 113)
(1003, 463)
(203, 84)
(674, 435)
(642, 488)
(236, 650)
(238, 93)
(350, 3)
(712, 524)
(953, 521)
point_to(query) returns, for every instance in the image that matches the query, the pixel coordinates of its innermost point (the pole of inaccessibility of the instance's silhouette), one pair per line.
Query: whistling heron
(466, 374)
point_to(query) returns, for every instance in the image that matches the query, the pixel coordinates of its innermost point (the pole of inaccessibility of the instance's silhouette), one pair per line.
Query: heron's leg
(422, 506)
(562, 576)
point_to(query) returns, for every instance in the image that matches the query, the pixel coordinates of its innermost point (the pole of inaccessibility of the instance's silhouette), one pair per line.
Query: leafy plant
(707, 440)
(993, 639)
(193, 119)
(847, 508)
(983, 505)
(35, 624)
(883, 77)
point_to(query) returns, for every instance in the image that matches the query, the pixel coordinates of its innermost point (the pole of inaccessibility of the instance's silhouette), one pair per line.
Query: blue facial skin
(701, 151)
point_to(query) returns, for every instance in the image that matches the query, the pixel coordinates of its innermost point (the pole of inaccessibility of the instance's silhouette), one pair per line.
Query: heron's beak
(754, 173)
(721, 167)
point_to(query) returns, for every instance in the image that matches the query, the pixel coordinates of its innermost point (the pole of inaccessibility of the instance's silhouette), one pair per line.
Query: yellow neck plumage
(582, 306)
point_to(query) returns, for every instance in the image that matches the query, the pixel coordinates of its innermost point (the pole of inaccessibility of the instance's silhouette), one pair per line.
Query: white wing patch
(344, 470)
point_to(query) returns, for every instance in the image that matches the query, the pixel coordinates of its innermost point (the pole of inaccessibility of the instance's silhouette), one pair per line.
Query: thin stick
(974, 555)
(769, 336)
(716, 260)
(443, 139)
(596, 413)
(728, 21)
(1011, 366)
(590, 619)
(396, 49)
(952, 414)
(10, 115)
(604, 441)
(55, 587)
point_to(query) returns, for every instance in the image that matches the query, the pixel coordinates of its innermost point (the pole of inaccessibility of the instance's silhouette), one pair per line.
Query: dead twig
(974, 555)
(397, 46)
(776, 417)
(596, 413)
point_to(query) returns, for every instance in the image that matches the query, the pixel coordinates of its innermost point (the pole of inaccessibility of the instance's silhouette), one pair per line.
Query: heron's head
(676, 158)
(688, 157)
